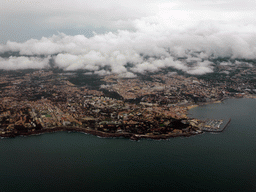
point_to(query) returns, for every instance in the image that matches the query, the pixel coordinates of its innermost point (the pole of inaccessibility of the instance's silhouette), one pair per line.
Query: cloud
(150, 36)
(76, 13)
(127, 75)
(23, 19)
(15, 63)
(145, 51)
(201, 68)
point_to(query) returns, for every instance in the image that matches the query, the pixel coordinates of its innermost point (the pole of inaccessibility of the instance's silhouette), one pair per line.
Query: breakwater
(217, 129)
(226, 125)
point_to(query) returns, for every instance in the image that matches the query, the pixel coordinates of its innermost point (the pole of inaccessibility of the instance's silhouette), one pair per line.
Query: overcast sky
(21, 20)
(82, 29)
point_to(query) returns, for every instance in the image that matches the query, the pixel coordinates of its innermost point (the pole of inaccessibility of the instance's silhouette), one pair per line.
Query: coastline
(192, 106)
(189, 107)
(131, 136)
(220, 101)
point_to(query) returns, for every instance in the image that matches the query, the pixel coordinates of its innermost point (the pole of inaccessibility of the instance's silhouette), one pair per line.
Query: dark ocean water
(79, 162)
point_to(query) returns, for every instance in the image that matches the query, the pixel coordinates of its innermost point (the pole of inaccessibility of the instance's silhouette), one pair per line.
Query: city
(39, 101)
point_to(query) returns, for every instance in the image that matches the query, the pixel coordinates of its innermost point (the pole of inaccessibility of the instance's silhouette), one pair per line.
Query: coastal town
(153, 106)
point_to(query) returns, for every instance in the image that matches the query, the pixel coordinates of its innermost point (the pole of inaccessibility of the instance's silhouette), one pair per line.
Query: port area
(214, 125)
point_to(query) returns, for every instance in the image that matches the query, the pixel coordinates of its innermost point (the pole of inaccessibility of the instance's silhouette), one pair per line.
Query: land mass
(153, 106)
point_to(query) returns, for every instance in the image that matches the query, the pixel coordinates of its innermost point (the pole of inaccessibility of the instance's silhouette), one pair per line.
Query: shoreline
(131, 136)
(219, 101)
(189, 107)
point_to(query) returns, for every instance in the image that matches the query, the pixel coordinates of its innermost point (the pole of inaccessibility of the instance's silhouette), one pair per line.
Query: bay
(78, 162)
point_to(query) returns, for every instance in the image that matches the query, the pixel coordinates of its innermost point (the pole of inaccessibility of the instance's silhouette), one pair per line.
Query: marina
(214, 125)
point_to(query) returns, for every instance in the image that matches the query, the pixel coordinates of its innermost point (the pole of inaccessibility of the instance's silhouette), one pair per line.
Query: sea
(65, 161)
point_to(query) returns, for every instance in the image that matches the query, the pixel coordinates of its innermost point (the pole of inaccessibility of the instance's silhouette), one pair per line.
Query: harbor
(214, 125)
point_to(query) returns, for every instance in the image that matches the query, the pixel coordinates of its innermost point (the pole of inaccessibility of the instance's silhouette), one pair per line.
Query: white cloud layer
(151, 35)
(15, 63)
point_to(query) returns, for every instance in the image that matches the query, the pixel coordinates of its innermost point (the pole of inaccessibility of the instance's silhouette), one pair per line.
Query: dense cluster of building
(45, 100)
